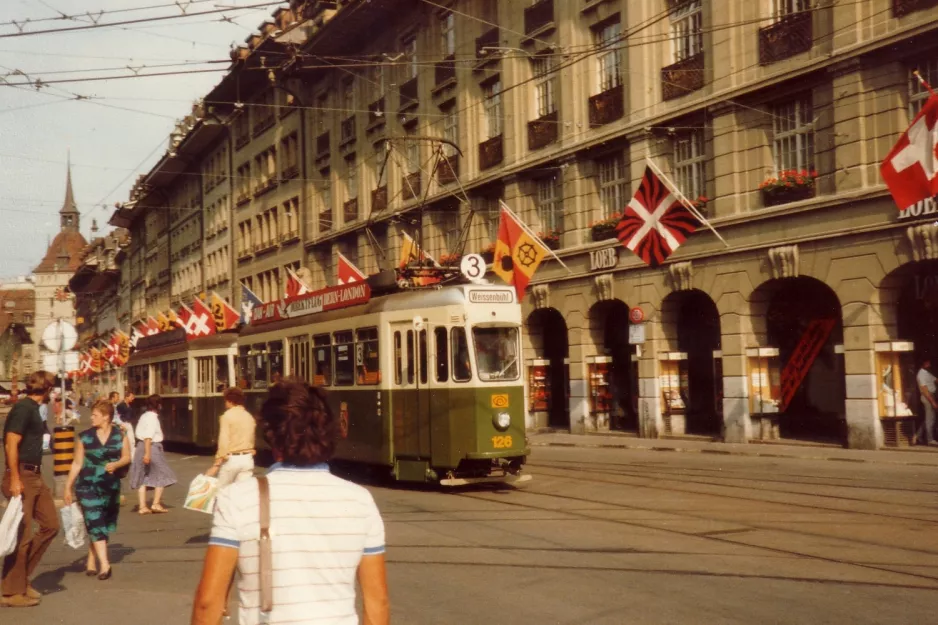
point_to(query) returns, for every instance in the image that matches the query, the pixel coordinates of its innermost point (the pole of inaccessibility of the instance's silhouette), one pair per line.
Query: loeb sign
(925, 207)
(330, 298)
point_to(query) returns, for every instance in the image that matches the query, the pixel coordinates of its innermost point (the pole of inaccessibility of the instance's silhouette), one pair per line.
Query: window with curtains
(689, 163)
(784, 8)
(612, 184)
(448, 35)
(918, 94)
(544, 83)
(549, 203)
(687, 30)
(492, 104)
(609, 58)
(793, 144)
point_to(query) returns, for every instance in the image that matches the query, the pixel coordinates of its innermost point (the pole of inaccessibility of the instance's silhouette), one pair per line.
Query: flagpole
(531, 234)
(680, 196)
(924, 82)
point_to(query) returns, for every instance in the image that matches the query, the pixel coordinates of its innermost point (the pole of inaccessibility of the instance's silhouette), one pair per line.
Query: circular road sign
(59, 336)
(636, 315)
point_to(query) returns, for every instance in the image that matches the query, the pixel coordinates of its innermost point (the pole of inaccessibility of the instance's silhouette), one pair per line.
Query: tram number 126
(501, 442)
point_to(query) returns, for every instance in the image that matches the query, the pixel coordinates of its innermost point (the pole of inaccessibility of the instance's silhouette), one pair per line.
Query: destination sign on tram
(331, 298)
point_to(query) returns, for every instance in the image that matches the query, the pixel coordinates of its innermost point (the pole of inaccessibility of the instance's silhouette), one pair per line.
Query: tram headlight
(501, 420)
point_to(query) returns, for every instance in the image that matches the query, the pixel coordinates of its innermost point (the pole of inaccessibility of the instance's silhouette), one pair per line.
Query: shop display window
(765, 391)
(539, 385)
(895, 378)
(600, 393)
(674, 384)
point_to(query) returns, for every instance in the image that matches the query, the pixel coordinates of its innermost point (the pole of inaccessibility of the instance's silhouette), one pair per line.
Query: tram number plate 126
(501, 442)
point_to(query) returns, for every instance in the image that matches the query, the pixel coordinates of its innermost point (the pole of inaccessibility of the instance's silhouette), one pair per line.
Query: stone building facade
(369, 120)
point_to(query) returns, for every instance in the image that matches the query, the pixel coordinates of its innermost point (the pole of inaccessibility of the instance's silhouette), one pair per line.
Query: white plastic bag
(201, 495)
(46, 441)
(73, 526)
(10, 526)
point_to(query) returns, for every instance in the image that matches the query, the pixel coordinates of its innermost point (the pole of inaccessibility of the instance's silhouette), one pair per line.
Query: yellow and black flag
(518, 252)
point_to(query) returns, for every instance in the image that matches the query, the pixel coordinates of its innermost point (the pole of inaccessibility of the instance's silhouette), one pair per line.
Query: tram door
(410, 402)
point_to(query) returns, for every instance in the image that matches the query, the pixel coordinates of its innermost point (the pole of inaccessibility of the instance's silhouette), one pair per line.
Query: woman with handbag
(300, 537)
(101, 452)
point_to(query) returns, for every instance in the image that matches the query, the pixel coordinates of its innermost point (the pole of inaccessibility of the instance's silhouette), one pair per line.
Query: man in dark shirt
(123, 408)
(22, 444)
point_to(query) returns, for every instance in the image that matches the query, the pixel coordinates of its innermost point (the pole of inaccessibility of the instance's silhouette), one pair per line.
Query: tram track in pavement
(734, 537)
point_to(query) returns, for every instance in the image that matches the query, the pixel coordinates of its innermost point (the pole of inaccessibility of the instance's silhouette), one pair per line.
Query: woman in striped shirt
(326, 532)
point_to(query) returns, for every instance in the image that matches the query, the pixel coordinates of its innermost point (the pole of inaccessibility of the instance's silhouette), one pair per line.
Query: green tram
(427, 383)
(190, 377)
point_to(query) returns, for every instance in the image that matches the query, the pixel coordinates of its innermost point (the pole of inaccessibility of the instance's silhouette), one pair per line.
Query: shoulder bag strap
(266, 552)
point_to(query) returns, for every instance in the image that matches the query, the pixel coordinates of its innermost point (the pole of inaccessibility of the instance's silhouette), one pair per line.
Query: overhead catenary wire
(96, 14)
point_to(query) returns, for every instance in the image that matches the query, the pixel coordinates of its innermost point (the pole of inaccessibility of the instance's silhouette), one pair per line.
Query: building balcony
(683, 77)
(265, 187)
(325, 221)
(491, 152)
(408, 95)
(902, 8)
(444, 72)
(350, 211)
(242, 141)
(290, 236)
(290, 172)
(607, 106)
(410, 186)
(347, 132)
(785, 38)
(322, 145)
(448, 169)
(538, 15)
(489, 39)
(379, 199)
(543, 131)
(243, 198)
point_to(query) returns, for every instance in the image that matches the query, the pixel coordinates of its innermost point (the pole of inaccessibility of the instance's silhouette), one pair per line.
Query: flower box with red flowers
(551, 238)
(791, 185)
(450, 260)
(605, 228)
(488, 253)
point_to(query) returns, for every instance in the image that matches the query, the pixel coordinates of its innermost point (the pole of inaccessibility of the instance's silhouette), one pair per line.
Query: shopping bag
(46, 441)
(201, 495)
(73, 526)
(10, 526)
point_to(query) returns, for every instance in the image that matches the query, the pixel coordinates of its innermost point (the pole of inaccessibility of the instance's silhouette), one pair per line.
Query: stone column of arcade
(650, 421)
(861, 327)
(736, 335)
(580, 348)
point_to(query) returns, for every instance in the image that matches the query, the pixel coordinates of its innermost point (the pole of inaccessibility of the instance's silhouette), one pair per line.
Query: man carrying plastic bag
(10, 526)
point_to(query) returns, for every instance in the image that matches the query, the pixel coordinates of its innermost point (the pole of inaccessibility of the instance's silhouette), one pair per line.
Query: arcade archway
(549, 371)
(693, 317)
(613, 373)
(803, 321)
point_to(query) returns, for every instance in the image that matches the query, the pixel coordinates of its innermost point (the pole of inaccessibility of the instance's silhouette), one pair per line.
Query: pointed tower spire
(69, 215)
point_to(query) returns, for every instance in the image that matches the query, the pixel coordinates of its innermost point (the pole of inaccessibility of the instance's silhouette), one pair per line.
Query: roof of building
(64, 253)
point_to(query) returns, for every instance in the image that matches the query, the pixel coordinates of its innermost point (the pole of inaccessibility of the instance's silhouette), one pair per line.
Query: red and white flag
(346, 271)
(655, 222)
(183, 317)
(295, 286)
(911, 168)
(153, 326)
(201, 323)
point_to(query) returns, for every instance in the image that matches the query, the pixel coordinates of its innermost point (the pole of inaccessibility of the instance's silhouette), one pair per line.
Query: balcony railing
(325, 221)
(264, 123)
(242, 141)
(347, 131)
(448, 169)
(444, 71)
(542, 131)
(290, 172)
(489, 39)
(379, 199)
(683, 77)
(322, 144)
(350, 211)
(901, 8)
(538, 15)
(491, 152)
(264, 187)
(607, 106)
(408, 95)
(785, 38)
(410, 186)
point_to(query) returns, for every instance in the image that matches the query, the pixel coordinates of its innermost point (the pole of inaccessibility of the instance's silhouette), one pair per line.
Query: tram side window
(245, 370)
(344, 365)
(422, 351)
(398, 359)
(183, 379)
(410, 356)
(162, 378)
(276, 361)
(204, 375)
(462, 371)
(367, 364)
(322, 347)
(299, 357)
(221, 373)
(139, 382)
(442, 354)
(259, 365)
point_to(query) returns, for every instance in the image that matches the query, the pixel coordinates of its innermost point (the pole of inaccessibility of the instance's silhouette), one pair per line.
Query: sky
(122, 127)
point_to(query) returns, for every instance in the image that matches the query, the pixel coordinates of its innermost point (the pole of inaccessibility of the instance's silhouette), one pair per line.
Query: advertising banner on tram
(330, 298)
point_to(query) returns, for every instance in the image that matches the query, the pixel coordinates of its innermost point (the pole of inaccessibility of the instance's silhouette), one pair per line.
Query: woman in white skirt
(149, 468)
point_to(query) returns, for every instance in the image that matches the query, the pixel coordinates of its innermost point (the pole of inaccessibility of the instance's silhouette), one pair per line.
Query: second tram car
(427, 383)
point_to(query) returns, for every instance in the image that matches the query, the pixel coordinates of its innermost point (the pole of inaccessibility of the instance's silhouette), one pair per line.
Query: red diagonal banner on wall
(806, 352)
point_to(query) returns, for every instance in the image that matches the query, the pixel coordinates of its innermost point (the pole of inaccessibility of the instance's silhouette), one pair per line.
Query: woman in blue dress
(100, 452)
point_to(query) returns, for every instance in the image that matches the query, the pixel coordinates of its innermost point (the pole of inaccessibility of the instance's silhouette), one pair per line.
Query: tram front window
(496, 353)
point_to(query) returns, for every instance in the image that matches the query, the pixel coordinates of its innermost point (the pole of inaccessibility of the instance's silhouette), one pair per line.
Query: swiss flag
(183, 316)
(346, 272)
(911, 168)
(655, 222)
(201, 323)
(295, 286)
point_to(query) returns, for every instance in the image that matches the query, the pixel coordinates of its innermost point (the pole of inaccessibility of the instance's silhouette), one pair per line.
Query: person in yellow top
(234, 460)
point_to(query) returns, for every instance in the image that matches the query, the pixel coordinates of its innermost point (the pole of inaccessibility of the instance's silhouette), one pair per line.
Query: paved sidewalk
(921, 456)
